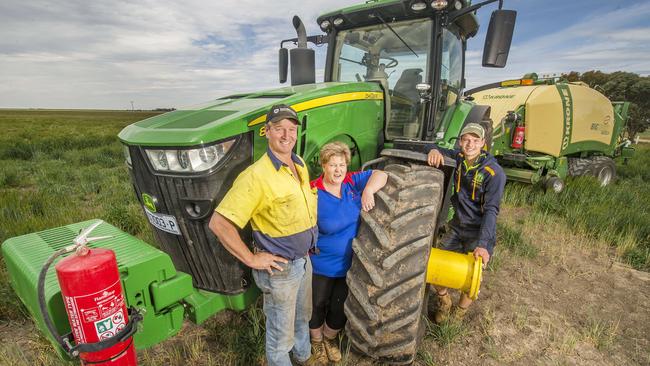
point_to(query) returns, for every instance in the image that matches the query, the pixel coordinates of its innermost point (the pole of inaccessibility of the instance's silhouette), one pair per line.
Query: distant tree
(637, 122)
(571, 76)
(594, 78)
(621, 86)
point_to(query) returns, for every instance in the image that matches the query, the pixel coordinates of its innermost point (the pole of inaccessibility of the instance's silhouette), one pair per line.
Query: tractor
(393, 83)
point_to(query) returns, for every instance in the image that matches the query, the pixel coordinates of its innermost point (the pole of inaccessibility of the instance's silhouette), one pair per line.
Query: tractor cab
(414, 50)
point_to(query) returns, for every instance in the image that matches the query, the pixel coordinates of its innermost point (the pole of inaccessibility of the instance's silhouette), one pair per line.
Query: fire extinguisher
(102, 328)
(518, 137)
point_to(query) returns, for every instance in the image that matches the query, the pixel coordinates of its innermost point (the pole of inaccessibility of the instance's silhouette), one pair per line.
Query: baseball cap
(474, 128)
(281, 111)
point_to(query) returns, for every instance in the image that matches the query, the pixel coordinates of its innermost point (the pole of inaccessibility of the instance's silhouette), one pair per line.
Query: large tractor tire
(580, 166)
(601, 167)
(387, 279)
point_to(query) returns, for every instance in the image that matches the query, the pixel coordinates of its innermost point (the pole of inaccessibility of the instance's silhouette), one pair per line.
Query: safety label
(108, 327)
(102, 313)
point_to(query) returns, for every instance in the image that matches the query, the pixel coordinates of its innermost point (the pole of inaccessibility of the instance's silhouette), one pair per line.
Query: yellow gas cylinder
(455, 270)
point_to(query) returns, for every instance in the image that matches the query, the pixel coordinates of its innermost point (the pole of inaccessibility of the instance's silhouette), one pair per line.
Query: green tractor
(393, 82)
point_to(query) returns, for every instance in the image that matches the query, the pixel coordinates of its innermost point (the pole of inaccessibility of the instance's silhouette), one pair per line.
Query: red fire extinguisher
(518, 137)
(92, 296)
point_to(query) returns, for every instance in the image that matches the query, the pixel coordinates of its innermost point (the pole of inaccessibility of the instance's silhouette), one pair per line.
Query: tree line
(621, 86)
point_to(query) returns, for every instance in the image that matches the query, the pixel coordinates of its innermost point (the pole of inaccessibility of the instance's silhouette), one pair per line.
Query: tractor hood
(237, 114)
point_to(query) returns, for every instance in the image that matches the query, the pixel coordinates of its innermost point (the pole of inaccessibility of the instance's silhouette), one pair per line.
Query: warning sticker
(107, 327)
(90, 315)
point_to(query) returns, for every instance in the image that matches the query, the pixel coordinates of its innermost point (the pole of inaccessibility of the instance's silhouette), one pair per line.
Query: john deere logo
(149, 202)
(479, 178)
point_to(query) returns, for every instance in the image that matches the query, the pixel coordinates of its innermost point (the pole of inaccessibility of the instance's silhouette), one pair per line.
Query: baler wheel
(555, 184)
(604, 170)
(601, 167)
(387, 295)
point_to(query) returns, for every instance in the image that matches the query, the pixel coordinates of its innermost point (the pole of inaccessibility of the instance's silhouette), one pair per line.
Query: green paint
(230, 117)
(567, 115)
(142, 267)
(204, 304)
(521, 175)
(452, 125)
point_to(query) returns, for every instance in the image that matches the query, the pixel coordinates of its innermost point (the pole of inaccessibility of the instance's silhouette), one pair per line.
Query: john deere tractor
(393, 82)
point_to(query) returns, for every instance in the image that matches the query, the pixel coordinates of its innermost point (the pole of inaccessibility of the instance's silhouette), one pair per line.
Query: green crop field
(61, 167)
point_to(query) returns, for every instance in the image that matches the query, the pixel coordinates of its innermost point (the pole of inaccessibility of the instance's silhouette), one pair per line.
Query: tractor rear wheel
(387, 280)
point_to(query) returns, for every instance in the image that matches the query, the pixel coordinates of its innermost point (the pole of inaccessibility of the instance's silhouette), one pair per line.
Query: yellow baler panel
(502, 100)
(593, 116)
(544, 121)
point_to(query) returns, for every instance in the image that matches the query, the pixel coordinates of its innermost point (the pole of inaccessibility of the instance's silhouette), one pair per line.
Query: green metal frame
(149, 281)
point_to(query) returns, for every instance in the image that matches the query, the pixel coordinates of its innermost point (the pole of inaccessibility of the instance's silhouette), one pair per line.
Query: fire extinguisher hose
(64, 341)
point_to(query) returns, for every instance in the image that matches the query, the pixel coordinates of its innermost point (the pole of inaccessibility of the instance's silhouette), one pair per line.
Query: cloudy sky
(164, 53)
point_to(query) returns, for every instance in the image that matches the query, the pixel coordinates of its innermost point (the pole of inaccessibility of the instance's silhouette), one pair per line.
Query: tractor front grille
(197, 251)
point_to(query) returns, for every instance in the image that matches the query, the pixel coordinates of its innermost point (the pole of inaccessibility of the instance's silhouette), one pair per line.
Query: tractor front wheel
(387, 280)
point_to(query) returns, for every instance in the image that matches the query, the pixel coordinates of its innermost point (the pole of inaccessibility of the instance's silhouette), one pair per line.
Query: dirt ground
(571, 304)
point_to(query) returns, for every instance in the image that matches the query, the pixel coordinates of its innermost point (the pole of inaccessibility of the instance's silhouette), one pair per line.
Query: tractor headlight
(188, 160)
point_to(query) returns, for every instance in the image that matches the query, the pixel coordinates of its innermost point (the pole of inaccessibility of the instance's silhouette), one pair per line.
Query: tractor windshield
(375, 53)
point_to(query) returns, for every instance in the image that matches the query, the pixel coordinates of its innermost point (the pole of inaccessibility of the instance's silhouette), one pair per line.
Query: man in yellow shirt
(275, 196)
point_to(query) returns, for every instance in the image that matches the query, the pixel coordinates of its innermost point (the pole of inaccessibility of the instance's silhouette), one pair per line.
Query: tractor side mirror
(303, 66)
(498, 38)
(283, 64)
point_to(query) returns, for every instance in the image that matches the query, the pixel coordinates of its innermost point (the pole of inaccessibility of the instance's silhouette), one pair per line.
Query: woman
(341, 196)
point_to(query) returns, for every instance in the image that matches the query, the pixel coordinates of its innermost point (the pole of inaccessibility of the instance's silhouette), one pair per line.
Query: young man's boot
(458, 314)
(332, 349)
(444, 308)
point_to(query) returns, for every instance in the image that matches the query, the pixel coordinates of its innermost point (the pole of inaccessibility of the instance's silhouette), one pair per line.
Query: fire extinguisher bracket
(101, 257)
(129, 330)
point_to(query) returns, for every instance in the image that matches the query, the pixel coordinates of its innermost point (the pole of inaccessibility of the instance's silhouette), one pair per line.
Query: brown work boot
(318, 356)
(458, 313)
(444, 307)
(332, 349)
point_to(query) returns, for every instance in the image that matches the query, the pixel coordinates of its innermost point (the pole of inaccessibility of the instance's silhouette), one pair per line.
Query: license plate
(163, 222)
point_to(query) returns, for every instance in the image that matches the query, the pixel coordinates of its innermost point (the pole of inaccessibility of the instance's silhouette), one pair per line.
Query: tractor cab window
(376, 54)
(451, 68)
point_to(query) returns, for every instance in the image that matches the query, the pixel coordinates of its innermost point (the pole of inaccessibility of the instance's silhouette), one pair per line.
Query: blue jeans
(287, 306)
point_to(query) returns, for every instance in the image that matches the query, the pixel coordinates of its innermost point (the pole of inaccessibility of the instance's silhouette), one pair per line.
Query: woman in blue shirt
(341, 197)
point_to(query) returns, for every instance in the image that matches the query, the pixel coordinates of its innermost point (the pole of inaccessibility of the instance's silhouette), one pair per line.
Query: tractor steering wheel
(393, 62)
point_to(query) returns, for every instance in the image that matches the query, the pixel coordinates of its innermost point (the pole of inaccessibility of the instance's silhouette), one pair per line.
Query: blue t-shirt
(338, 221)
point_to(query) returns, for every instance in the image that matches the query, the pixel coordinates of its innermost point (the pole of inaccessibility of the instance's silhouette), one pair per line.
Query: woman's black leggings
(328, 297)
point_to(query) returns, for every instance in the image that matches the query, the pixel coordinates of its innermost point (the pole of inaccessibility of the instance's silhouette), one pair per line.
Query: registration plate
(163, 222)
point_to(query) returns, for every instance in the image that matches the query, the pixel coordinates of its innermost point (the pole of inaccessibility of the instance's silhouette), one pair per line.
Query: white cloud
(95, 54)
(600, 42)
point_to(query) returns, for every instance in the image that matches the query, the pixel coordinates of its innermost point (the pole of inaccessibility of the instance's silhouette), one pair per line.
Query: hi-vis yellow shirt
(282, 210)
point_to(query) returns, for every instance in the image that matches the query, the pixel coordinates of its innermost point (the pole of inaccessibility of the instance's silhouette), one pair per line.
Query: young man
(478, 187)
(275, 196)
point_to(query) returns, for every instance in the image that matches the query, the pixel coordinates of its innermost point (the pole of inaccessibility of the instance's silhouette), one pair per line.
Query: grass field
(60, 167)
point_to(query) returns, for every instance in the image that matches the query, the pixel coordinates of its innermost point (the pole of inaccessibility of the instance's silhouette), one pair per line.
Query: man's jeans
(287, 306)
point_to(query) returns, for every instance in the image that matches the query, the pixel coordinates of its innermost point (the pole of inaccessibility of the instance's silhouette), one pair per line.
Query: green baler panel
(141, 267)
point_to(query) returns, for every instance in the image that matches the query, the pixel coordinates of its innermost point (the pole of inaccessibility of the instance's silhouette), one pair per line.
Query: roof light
(517, 82)
(324, 25)
(418, 5)
(458, 5)
(338, 21)
(439, 4)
